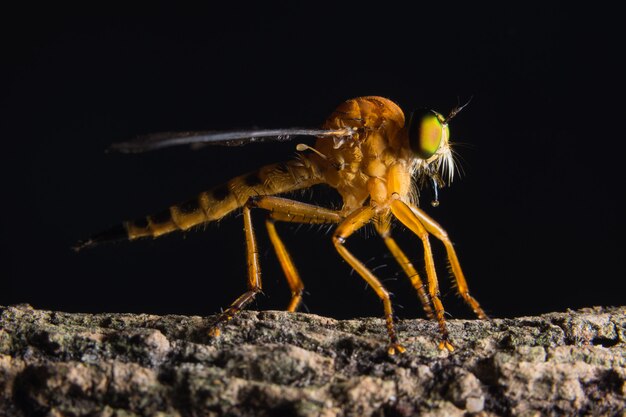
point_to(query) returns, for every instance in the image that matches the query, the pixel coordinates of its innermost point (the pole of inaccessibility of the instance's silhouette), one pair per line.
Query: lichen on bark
(291, 364)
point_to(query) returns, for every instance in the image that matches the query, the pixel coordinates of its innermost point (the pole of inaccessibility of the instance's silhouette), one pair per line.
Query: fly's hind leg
(285, 210)
(351, 224)
(254, 276)
(280, 209)
(383, 229)
(291, 273)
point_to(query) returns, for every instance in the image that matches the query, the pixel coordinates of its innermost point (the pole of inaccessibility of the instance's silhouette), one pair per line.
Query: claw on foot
(395, 348)
(481, 315)
(445, 344)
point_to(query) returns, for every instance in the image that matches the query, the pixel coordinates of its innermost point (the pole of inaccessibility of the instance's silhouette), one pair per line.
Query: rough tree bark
(275, 363)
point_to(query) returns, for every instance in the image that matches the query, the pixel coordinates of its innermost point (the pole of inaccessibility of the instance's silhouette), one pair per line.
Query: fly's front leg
(383, 229)
(404, 213)
(282, 209)
(351, 224)
(254, 276)
(436, 230)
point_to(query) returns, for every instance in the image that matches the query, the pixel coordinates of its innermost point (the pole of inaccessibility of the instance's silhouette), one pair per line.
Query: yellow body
(375, 163)
(372, 168)
(218, 202)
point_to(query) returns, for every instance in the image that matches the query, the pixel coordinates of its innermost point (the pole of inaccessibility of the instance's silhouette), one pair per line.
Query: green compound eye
(426, 129)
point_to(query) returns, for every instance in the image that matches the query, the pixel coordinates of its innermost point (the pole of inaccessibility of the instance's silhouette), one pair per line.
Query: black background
(537, 217)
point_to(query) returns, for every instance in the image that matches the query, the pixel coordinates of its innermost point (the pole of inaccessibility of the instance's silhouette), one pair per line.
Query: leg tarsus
(234, 309)
(446, 345)
(395, 348)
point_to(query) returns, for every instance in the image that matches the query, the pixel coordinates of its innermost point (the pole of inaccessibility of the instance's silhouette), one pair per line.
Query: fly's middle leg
(404, 213)
(383, 229)
(291, 273)
(351, 224)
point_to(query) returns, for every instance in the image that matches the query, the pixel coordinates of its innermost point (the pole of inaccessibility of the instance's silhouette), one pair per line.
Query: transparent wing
(156, 141)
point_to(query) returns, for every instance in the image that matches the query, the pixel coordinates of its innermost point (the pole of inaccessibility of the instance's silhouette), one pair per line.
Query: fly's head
(429, 141)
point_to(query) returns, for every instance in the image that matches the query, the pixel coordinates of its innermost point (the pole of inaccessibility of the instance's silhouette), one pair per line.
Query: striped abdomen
(216, 203)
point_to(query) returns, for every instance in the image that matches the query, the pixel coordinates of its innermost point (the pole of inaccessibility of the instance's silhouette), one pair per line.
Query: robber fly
(364, 150)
